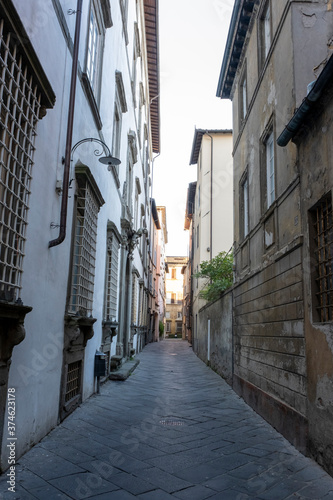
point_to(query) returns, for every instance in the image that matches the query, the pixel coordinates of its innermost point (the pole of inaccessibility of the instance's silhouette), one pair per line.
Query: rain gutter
(313, 96)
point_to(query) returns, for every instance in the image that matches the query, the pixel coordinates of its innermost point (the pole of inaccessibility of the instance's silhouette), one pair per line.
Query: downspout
(70, 121)
(211, 195)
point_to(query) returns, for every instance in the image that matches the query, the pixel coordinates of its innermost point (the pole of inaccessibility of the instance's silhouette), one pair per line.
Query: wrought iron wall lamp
(106, 160)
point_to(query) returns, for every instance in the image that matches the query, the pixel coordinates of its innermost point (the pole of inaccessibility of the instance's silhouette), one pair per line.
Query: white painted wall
(219, 199)
(37, 362)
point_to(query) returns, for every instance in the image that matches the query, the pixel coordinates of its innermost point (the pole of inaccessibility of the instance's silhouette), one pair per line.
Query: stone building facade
(310, 128)
(211, 218)
(174, 285)
(282, 351)
(77, 85)
(188, 272)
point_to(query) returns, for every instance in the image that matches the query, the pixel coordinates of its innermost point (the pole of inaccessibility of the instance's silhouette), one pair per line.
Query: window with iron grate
(20, 102)
(84, 249)
(73, 382)
(134, 314)
(111, 278)
(322, 244)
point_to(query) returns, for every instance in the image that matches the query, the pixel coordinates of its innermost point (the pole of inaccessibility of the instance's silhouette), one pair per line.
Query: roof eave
(152, 36)
(240, 20)
(197, 139)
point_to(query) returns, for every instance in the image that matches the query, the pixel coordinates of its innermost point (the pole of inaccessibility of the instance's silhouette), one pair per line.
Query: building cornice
(239, 24)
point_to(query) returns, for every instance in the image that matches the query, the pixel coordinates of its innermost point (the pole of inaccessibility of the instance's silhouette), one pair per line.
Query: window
(167, 314)
(179, 327)
(140, 303)
(116, 131)
(243, 97)
(173, 298)
(244, 206)
(136, 210)
(174, 273)
(179, 315)
(270, 169)
(141, 104)
(94, 49)
(134, 315)
(111, 276)
(322, 234)
(265, 32)
(120, 107)
(198, 236)
(136, 54)
(88, 203)
(131, 159)
(19, 108)
(124, 16)
(168, 327)
(73, 381)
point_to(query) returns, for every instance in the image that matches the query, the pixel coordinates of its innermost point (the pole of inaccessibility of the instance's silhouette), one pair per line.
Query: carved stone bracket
(110, 330)
(12, 330)
(78, 330)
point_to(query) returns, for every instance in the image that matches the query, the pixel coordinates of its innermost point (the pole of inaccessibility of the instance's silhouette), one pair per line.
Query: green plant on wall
(219, 271)
(161, 328)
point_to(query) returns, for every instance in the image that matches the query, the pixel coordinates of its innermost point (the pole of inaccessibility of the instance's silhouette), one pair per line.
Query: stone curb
(125, 371)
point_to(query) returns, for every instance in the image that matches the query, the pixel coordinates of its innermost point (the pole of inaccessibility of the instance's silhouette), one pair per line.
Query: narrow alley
(173, 429)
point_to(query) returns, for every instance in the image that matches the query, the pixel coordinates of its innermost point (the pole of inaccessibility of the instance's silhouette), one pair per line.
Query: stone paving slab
(172, 430)
(125, 370)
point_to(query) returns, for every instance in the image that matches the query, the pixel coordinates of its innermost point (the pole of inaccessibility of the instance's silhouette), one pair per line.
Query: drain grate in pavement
(169, 421)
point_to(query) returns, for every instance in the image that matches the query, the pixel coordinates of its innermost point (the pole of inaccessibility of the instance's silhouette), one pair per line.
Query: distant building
(174, 297)
(188, 271)
(211, 210)
(161, 263)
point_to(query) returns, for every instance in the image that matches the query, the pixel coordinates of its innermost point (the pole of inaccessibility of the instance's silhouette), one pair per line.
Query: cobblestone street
(173, 430)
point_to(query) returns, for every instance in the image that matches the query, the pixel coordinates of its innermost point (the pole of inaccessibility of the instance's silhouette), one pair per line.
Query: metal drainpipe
(211, 194)
(65, 182)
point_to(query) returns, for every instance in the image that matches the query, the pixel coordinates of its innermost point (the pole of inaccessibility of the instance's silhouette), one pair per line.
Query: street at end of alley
(173, 430)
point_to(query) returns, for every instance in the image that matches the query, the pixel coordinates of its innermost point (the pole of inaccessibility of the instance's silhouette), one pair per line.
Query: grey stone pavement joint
(173, 430)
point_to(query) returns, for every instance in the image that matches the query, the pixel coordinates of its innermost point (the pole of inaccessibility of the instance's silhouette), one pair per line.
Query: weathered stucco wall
(217, 346)
(315, 156)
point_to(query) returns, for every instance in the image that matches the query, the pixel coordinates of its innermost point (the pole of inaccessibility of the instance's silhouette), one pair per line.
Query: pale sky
(192, 40)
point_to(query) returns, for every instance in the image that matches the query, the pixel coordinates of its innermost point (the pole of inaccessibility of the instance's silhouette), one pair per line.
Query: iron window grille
(112, 261)
(73, 382)
(84, 253)
(323, 240)
(134, 299)
(20, 103)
